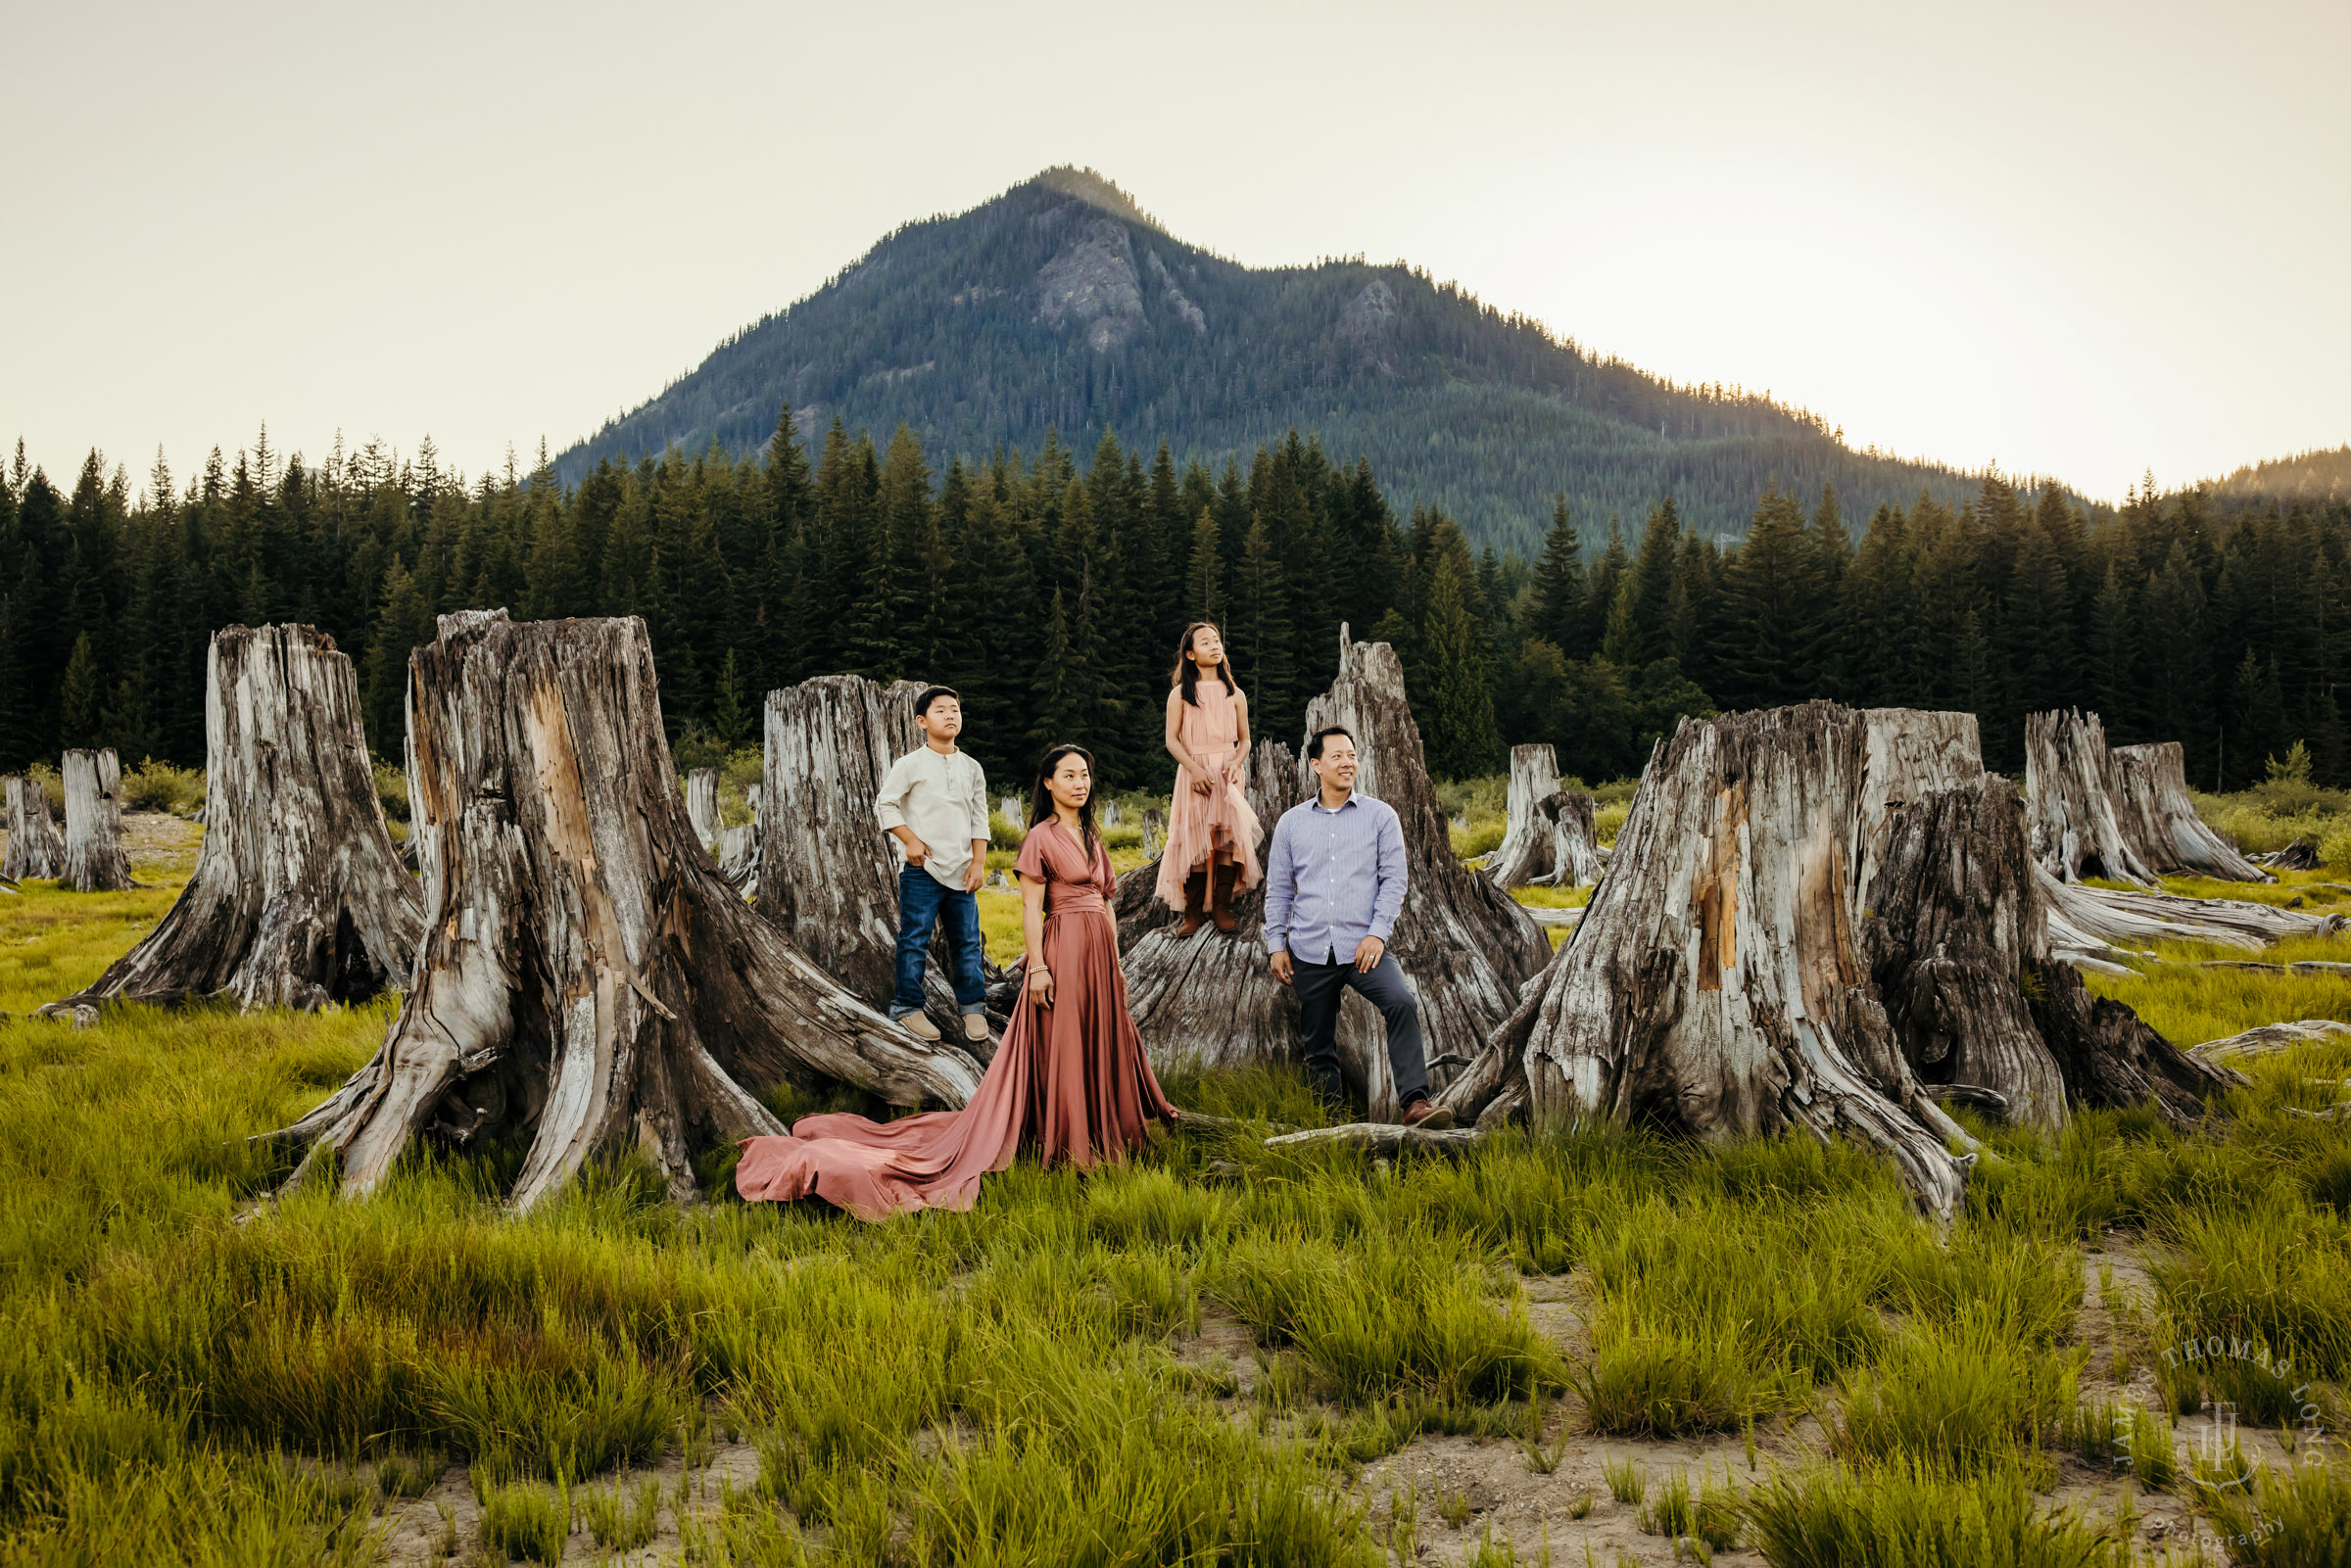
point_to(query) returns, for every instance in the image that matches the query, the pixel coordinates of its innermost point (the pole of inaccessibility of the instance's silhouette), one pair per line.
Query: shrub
(392, 789)
(160, 787)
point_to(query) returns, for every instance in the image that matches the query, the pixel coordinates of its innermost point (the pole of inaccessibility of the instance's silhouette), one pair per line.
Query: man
(1335, 882)
(934, 802)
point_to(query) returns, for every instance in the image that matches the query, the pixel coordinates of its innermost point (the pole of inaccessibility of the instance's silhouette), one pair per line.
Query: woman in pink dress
(1211, 833)
(1070, 1077)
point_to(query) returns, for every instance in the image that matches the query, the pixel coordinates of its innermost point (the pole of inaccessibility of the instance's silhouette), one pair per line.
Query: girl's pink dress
(1071, 1077)
(1198, 823)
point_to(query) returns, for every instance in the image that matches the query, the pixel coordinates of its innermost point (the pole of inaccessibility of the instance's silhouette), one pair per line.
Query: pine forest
(1050, 590)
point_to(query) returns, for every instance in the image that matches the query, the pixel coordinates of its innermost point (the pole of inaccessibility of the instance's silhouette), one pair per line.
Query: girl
(1071, 1075)
(1211, 833)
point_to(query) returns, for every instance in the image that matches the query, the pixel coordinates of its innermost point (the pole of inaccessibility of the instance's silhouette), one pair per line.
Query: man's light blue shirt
(1333, 878)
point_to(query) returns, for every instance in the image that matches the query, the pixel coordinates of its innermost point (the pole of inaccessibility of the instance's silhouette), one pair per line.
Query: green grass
(185, 1375)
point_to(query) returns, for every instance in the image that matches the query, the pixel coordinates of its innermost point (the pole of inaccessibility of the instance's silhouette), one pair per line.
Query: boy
(934, 802)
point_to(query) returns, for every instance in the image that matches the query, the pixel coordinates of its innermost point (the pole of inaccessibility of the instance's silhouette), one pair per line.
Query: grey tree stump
(95, 861)
(2160, 823)
(298, 898)
(36, 848)
(1549, 838)
(701, 806)
(1464, 945)
(1821, 920)
(825, 873)
(587, 978)
(2070, 783)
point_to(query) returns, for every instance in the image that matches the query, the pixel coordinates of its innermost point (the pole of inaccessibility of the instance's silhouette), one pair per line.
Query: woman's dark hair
(1187, 678)
(1041, 794)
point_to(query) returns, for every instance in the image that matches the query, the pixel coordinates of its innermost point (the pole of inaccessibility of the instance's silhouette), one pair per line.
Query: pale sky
(2086, 240)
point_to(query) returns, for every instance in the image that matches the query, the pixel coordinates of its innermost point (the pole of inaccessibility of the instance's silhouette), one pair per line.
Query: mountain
(2311, 476)
(1062, 305)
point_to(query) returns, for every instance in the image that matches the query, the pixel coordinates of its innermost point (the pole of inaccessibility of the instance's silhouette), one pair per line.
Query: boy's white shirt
(942, 798)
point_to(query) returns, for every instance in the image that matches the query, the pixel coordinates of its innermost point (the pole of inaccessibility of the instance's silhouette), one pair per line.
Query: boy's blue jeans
(922, 900)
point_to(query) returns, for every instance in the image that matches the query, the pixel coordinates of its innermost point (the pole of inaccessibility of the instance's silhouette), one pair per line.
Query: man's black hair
(1314, 747)
(930, 695)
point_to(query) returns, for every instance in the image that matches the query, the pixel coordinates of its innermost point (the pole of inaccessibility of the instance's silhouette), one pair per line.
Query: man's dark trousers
(1318, 1021)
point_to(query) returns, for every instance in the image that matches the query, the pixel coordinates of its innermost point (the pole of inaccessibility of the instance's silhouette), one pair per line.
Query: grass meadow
(1600, 1346)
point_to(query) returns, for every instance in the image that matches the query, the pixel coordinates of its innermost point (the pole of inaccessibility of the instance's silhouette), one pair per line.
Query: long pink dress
(1198, 823)
(1071, 1077)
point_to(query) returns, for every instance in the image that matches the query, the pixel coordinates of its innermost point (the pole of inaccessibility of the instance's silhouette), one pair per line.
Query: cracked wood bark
(826, 872)
(2160, 823)
(2070, 793)
(297, 898)
(1462, 943)
(1550, 840)
(587, 978)
(94, 859)
(1820, 918)
(36, 848)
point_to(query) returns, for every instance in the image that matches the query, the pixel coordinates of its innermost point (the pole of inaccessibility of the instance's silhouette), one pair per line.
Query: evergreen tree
(1768, 653)
(1456, 714)
(1204, 576)
(81, 697)
(1557, 614)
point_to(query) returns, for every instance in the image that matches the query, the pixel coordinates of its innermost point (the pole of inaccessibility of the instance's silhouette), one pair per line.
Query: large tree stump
(36, 848)
(297, 898)
(2070, 796)
(587, 978)
(826, 874)
(1464, 944)
(95, 861)
(1825, 920)
(1550, 840)
(2160, 823)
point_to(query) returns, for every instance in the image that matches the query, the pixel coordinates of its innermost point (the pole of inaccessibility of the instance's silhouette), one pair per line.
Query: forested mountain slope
(1061, 305)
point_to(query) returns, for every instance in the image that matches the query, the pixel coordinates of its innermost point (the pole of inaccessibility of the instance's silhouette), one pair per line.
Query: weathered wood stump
(587, 978)
(701, 806)
(826, 874)
(298, 898)
(36, 848)
(2070, 796)
(1824, 920)
(95, 861)
(2160, 823)
(1464, 944)
(1549, 838)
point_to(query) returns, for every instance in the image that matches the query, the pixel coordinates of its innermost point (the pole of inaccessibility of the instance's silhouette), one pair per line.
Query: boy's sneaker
(975, 1027)
(919, 1025)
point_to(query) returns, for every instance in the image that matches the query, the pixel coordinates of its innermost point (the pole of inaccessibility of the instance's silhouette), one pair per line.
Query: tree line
(1051, 591)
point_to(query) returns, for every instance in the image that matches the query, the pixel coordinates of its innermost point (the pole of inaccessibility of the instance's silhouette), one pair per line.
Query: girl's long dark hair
(1040, 795)
(1187, 673)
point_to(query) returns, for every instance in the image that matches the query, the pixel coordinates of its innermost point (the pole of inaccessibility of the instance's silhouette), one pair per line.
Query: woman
(1211, 833)
(1071, 1074)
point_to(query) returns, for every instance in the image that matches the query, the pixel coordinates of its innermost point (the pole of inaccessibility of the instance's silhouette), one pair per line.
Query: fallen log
(2299, 855)
(1822, 920)
(2160, 823)
(2070, 790)
(95, 861)
(298, 898)
(2112, 916)
(2306, 968)
(36, 848)
(586, 980)
(825, 875)
(1464, 944)
(2267, 1039)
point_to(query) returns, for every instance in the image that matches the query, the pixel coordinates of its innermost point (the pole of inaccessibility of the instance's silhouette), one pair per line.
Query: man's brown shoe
(1428, 1116)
